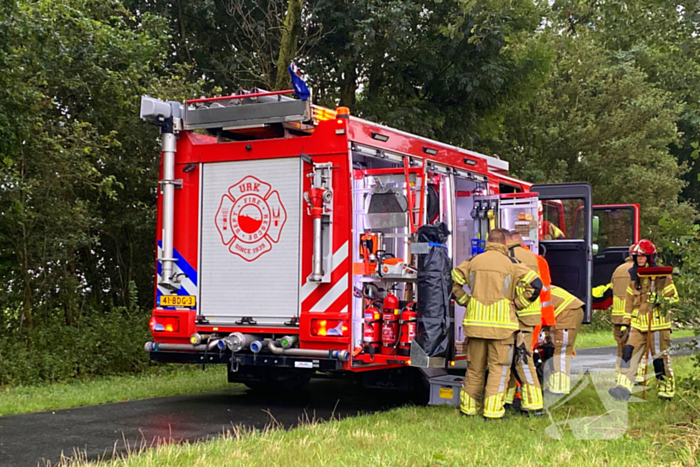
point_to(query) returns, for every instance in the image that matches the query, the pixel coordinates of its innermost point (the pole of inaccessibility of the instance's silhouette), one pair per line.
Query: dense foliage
(604, 92)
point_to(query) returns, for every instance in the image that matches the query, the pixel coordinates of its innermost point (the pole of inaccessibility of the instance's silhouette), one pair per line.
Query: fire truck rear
(288, 240)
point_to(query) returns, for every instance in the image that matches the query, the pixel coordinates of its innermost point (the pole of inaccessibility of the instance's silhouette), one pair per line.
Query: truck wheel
(420, 391)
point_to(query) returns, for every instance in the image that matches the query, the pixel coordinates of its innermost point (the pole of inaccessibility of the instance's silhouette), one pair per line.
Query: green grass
(659, 433)
(156, 382)
(165, 380)
(585, 340)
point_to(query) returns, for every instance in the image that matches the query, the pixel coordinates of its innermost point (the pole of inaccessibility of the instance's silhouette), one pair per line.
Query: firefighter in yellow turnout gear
(618, 289)
(644, 297)
(524, 370)
(569, 313)
(499, 287)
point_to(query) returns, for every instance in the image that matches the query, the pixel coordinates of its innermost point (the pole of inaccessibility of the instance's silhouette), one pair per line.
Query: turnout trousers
(559, 381)
(618, 333)
(524, 372)
(496, 357)
(636, 350)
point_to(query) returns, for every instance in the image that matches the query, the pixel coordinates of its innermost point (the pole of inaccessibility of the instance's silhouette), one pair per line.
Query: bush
(681, 249)
(97, 344)
(601, 321)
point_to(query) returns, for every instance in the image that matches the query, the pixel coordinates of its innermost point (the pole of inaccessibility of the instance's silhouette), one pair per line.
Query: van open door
(615, 229)
(565, 241)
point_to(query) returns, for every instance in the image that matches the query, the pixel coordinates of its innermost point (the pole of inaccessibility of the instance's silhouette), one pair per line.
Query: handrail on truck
(240, 96)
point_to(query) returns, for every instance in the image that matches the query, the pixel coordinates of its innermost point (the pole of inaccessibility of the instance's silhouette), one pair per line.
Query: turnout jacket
(499, 288)
(567, 309)
(532, 315)
(643, 298)
(618, 288)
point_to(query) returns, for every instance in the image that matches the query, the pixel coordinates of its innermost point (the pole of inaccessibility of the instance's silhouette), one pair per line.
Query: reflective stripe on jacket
(620, 280)
(548, 318)
(530, 316)
(643, 303)
(618, 288)
(567, 308)
(498, 288)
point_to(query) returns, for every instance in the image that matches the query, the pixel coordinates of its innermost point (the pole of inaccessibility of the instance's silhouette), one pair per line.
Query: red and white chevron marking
(330, 297)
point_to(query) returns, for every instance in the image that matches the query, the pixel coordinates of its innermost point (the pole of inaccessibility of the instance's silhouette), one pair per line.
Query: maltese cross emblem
(250, 218)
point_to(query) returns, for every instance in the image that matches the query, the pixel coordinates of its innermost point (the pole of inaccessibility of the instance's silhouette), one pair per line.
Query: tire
(420, 393)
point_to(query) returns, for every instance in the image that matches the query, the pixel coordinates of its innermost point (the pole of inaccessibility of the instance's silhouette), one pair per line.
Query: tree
(599, 120)
(661, 37)
(78, 167)
(442, 69)
(50, 162)
(291, 32)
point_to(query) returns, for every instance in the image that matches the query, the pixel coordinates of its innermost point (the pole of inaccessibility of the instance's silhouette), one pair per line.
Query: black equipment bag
(434, 291)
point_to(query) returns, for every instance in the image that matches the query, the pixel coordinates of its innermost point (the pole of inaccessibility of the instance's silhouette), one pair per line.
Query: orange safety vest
(548, 318)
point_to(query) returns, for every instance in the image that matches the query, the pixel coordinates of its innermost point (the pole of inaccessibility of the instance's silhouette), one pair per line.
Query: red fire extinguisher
(390, 324)
(371, 335)
(408, 323)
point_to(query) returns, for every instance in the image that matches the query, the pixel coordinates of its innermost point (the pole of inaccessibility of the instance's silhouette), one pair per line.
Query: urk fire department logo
(250, 218)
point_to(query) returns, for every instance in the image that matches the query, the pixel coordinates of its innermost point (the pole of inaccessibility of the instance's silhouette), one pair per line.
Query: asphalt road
(603, 358)
(98, 431)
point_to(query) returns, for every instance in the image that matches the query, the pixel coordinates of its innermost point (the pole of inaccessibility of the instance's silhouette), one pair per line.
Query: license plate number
(447, 393)
(178, 300)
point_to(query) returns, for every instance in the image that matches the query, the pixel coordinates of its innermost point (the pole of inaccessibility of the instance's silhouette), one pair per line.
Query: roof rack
(245, 109)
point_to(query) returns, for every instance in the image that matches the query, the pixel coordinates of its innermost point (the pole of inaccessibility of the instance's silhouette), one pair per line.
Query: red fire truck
(288, 247)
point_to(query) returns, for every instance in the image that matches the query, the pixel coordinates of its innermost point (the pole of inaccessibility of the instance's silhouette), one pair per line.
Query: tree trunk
(349, 89)
(27, 319)
(288, 43)
(27, 316)
(375, 80)
(183, 35)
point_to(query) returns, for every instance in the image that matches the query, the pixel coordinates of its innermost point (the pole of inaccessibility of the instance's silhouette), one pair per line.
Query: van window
(616, 227)
(559, 219)
(503, 188)
(552, 215)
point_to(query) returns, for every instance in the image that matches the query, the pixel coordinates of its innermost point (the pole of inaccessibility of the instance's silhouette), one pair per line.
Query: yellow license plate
(178, 300)
(447, 393)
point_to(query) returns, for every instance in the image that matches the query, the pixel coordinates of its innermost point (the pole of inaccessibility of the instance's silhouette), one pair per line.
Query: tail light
(329, 327)
(165, 324)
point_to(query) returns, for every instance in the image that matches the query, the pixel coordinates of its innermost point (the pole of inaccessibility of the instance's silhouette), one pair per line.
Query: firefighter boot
(665, 381)
(512, 400)
(623, 390)
(620, 393)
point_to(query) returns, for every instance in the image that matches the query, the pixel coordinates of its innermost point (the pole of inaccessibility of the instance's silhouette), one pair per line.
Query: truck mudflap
(245, 360)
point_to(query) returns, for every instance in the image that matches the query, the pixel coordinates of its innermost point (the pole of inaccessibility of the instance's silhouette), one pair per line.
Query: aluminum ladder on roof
(246, 109)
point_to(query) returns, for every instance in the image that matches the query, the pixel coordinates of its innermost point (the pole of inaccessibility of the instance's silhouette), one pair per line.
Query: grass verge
(585, 340)
(659, 433)
(164, 380)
